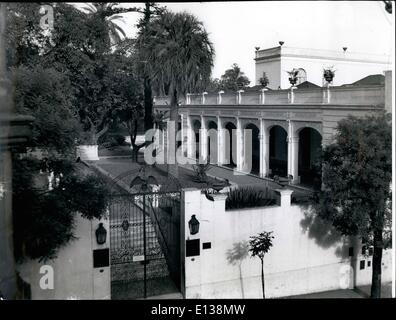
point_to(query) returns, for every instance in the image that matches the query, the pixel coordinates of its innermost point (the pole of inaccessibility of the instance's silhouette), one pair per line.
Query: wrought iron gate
(145, 244)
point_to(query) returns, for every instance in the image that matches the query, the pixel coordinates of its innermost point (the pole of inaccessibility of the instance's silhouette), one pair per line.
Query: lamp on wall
(193, 224)
(101, 234)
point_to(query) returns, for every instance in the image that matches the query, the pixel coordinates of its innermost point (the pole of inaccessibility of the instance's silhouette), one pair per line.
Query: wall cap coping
(190, 189)
(285, 191)
(218, 196)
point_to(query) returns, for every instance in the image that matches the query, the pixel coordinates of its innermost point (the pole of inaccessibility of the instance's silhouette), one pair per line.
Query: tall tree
(214, 85)
(128, 87)
(357, 173)
(24, 38)
(81, 48)
(109, 13)
(150, 11)
(179, 59)
(47, 95)
(234, 79)
(44, 207)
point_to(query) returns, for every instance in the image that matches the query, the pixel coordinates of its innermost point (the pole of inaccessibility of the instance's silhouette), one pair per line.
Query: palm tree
(108, 12)
(179, 59)
(159, 119)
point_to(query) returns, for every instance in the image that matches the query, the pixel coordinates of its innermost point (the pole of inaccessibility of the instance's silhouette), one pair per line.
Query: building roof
(371, 80)
(255, 88)
(310, 53)
(307, 85)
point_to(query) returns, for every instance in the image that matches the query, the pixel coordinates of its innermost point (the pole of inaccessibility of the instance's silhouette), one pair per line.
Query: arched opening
(301, 76)
(278, 151)
(255, 145)
(230, 145)
(196, 128)
(309, 150)
(212, 142)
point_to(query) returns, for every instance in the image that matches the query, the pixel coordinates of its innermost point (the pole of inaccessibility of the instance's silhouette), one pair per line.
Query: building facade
(287, 127)
(349, 66)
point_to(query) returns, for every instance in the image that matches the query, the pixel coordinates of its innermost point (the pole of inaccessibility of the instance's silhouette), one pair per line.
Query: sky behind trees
(236, 28)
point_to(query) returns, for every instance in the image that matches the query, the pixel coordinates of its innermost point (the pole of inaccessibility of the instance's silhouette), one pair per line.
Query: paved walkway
(245, 179)
(117, 165)
(357, 293)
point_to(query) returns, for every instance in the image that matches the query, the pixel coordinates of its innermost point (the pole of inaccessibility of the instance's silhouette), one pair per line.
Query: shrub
(112, 140)
(302, 199)
(248, 197)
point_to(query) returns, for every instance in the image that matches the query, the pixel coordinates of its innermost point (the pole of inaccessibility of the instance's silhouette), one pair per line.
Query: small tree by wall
(259, 246)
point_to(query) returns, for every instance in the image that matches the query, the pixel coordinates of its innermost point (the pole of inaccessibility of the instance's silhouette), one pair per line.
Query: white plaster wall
(388, 91)
(88, 152)
(296, 264)
(74, 275)
(273, 70)
(346, 71)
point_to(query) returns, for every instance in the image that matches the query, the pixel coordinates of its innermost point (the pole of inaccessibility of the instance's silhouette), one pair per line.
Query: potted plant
(293, 76)
(264, 81)
(328, 74)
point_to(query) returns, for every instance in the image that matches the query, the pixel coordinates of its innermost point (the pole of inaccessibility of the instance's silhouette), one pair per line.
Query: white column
(182, 132)
(291, 97)
(239, 96)
(219, 97)
(262, 95)
(240, 150)
(203, 142)
(264, 150)
(292, 153)
(190, 139)
(188, 98)
(220, 148)
(203, 97)
(326, 93)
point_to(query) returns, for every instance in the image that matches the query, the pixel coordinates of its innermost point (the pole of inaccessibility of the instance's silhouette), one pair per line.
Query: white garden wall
(74, 274)
(88, 152)
(302, 259)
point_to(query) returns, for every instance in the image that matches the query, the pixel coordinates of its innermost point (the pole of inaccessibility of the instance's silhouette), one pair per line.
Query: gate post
(190, 204)
(144, 247)
(101, 268)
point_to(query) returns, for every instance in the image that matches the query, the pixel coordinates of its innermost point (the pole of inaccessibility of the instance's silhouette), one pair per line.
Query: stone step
(135, 270)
